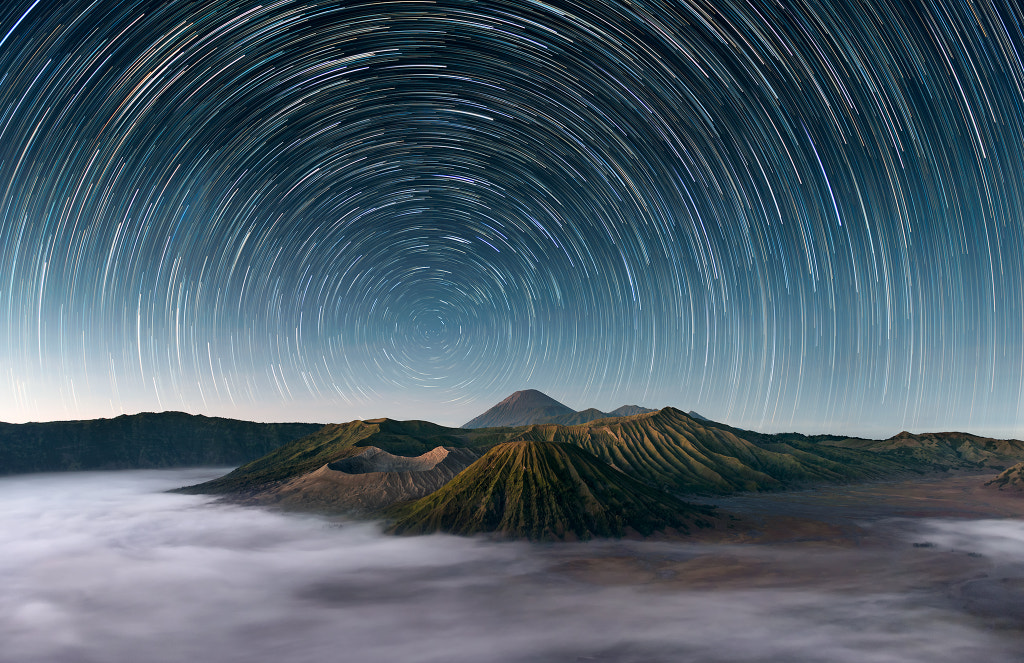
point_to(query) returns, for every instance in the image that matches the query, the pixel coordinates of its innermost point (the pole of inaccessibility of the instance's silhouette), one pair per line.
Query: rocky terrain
(671, 450)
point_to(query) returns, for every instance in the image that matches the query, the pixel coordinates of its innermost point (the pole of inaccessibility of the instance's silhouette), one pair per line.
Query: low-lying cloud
(106, 567)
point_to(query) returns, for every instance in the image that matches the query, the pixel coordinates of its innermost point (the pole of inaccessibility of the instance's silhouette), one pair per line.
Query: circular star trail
(785, 215)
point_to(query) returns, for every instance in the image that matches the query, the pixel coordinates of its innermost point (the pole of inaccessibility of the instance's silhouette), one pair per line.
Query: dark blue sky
(786, 216)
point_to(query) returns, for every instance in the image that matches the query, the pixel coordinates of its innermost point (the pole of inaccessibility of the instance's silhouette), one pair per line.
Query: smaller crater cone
(368, 481)
(546, 491)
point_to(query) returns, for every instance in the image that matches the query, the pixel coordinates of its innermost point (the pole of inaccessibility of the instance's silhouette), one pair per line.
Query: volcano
(521, 409)
(547, 491)
(530, 406)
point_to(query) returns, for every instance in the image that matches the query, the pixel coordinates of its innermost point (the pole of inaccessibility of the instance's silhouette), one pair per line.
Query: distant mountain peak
(520, 409)
(530, 406)
(533, 398)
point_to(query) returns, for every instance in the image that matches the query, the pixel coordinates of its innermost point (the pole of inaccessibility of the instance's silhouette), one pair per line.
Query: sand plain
(947, 541)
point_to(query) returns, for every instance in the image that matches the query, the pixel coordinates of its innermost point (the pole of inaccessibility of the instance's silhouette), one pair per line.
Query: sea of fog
(107, 567)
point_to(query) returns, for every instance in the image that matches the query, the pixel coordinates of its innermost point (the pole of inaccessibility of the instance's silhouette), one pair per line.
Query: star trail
(785, 215)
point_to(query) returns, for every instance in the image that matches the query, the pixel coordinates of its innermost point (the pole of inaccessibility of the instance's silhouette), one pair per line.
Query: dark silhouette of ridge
(140, 441)
(575, 418)
(629, 411)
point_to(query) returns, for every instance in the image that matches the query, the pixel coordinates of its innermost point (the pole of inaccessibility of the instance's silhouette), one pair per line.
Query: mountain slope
(146, 440)
(543, 490)
(520, 409)
(671, 450)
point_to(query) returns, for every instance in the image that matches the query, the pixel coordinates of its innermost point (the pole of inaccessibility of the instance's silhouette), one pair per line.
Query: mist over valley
(110, 567)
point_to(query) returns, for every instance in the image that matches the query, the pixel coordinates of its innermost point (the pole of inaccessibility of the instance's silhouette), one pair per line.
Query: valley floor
(943, 542)
(107, 566)
(856, 514)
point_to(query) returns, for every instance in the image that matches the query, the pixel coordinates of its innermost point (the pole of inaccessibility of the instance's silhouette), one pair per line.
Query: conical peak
(531, 397)
(520, 409)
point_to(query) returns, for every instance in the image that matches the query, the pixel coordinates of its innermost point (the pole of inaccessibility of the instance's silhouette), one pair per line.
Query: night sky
(784, 215)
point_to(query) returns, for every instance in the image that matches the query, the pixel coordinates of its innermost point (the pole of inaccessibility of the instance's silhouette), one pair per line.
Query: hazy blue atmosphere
(105, 567)
(801, 216)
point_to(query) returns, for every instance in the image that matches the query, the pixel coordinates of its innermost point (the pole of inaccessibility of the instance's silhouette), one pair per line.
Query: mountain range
(529, 467)
(609, 476)
(530, 406)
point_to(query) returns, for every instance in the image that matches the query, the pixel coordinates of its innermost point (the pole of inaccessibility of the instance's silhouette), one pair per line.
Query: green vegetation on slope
(412, 438)
(330, 443)
(574, 418)
(675, 452)
(146, 440)
(542, 490)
